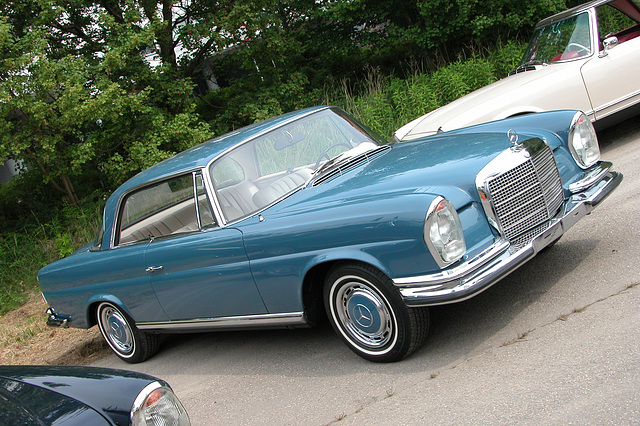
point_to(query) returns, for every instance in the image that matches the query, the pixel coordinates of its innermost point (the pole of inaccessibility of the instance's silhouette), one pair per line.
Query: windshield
(562, 41)
(258, 173)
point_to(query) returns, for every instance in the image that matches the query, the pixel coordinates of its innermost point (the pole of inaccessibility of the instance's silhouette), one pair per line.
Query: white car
(585, 58)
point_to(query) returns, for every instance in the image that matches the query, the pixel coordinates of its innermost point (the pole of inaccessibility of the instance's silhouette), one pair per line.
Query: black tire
(123, 337)
(367, 311)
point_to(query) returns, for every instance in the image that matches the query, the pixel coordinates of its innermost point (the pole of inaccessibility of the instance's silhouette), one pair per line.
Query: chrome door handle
(152, 269)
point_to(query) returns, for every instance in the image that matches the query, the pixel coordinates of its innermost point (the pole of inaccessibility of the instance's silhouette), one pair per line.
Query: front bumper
(501, 258)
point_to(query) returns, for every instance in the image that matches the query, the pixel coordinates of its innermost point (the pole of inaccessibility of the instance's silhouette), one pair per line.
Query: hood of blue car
(442, 165)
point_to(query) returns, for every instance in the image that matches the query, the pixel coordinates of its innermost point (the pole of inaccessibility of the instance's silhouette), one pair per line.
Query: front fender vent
(522, 69)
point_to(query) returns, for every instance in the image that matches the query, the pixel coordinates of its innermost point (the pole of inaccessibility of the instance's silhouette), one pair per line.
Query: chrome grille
(526, 195)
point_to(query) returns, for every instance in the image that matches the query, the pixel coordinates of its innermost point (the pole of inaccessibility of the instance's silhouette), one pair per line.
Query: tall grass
(24, 251)
(386, 103)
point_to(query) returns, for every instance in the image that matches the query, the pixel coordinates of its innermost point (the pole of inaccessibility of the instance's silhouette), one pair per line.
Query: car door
(202, 271)
(611, 78)
(203, 275)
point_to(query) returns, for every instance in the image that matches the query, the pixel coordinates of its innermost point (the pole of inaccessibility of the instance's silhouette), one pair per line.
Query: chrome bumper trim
(474, 276)
(285, 320)
(591, 178)
(55, 319)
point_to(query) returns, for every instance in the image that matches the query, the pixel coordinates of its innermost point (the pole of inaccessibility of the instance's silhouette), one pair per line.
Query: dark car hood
(107, 391)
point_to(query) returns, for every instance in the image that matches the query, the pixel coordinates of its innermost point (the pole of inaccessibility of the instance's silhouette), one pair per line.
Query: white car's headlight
(583, 141)
(443, 232)
(157, 405)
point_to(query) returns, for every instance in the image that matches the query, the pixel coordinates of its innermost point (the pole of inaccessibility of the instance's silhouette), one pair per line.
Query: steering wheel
(578, 47)
(325, 152)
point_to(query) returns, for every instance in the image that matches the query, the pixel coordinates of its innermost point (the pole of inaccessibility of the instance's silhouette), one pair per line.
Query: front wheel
(123, 337)
(368, 313)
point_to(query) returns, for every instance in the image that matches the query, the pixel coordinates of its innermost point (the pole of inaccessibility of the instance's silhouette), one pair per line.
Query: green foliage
(25, 249)
(386, 103)
(459, 24)
(18, 261)
(73, 103)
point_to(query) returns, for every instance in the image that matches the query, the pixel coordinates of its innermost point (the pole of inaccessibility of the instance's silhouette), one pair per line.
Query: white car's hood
(548, 87)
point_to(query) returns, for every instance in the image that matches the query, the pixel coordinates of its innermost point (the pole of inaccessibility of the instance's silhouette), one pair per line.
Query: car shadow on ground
(618, 135)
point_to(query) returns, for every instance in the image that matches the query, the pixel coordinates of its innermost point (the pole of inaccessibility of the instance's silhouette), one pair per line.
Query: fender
(95, 300)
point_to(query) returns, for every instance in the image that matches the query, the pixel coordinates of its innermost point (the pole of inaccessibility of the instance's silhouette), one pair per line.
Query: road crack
(564, 317)
(523, 337)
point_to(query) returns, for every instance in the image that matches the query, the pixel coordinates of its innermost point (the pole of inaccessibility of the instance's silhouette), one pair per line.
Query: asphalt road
(557, 342)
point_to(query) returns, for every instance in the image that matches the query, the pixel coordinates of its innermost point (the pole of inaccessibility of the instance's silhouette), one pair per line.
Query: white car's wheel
(368, 313)
(123, 337)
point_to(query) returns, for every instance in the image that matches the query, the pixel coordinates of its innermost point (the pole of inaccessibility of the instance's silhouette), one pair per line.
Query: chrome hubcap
(117, 330)
(364, 314)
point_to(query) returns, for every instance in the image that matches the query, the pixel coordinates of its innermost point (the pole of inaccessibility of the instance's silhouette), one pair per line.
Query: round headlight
(157, 405)
(583, 141)
(443, 232)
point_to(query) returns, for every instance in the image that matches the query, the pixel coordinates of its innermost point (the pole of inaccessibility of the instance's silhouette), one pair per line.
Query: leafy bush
(26, 249)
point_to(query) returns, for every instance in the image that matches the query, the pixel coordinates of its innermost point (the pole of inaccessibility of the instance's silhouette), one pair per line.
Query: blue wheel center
(117, 331)
(364, 314)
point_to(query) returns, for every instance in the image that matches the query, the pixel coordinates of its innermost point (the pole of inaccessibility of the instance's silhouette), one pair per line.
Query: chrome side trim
(469, 279)
(617, 101)
(283, 320)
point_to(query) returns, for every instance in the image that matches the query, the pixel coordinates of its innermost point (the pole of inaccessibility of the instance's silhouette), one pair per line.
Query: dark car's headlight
(583, 141)
(443, 232)
(157, 405)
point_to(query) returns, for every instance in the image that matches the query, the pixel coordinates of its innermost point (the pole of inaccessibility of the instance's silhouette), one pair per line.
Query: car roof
(626, 4)
(201, 155)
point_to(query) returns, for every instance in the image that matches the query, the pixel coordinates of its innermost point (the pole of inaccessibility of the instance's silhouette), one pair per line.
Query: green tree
(78, 98)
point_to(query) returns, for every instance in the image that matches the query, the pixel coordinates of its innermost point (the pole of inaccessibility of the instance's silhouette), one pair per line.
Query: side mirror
(608, 44)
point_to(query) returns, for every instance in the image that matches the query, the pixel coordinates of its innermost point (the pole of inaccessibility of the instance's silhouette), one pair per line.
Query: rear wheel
(123, 337)
(368, 313)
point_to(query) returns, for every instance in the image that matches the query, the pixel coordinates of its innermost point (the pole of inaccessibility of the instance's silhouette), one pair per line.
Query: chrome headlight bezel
(443, 232)
(583, 142)
(157, 401)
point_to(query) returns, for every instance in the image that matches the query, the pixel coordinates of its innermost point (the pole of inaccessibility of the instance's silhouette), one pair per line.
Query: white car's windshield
(561, 41)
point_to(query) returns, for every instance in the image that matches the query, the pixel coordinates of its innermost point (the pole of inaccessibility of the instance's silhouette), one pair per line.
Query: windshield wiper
(344, 157)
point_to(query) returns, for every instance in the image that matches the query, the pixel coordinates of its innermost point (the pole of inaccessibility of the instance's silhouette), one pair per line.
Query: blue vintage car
(275, 223)
(53, 395)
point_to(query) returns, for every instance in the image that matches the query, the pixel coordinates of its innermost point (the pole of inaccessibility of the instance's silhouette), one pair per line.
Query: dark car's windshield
(261, 171)
(561, 41)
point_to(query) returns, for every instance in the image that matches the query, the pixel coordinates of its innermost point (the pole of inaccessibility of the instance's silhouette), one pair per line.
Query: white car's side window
(612, 22)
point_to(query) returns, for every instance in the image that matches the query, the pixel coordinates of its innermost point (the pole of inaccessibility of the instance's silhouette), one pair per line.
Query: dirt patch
(25, 339)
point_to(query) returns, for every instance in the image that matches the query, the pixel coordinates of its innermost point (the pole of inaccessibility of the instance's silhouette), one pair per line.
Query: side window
(207, 219)
(613, 22)
(164, 208)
